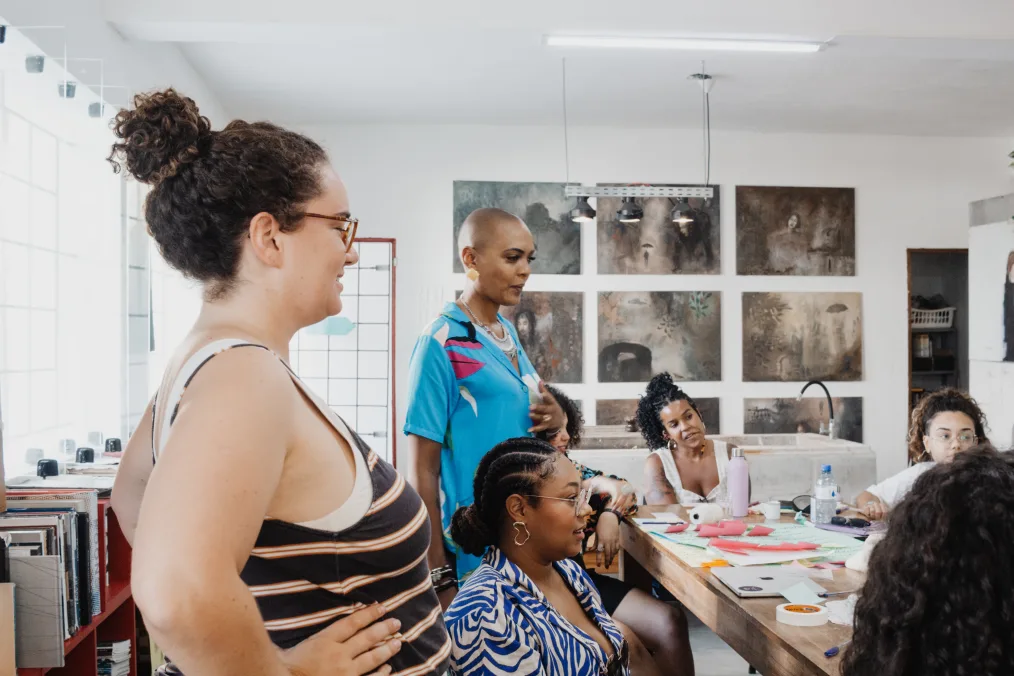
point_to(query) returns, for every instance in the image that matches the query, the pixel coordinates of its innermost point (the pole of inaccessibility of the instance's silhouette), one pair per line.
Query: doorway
(938, 321)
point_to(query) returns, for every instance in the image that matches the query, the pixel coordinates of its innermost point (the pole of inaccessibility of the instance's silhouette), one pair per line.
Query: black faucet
(830, 406)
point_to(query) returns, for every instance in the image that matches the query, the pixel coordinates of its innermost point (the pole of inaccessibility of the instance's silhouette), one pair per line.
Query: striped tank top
(304, 579)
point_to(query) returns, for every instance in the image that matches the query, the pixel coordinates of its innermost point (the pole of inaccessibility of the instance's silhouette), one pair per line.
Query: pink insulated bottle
(739, 483)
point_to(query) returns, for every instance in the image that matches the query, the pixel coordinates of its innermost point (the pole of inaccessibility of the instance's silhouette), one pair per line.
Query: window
(61, 305)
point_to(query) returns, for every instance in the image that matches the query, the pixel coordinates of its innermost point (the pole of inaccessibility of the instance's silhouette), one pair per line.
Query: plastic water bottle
(739, 484)
(825, 497)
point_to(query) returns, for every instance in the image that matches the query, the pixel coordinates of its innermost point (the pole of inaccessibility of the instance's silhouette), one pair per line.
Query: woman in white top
(684, 466)
(944, 423)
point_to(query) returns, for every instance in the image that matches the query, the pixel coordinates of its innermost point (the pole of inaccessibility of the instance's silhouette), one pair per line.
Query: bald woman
(471, 385)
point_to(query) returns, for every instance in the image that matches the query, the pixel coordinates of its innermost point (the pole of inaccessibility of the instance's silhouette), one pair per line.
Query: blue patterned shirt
(464, 393)
(501, 623)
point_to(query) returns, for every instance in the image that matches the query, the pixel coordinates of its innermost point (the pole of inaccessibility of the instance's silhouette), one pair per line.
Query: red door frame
(394, 394)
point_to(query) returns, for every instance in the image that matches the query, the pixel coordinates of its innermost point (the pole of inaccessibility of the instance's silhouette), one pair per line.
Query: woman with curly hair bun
(943, 424)
(939, 593)
(684, 467)
(267, 519)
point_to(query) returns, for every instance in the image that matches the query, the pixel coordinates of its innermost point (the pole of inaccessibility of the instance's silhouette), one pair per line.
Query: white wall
(910, 192)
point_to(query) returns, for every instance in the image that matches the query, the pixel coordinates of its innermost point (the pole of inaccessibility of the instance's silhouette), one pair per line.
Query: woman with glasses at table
(528, 609)
(267, 537)
(943, 424)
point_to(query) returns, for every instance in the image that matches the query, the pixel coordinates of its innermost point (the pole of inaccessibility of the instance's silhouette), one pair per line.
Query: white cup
(772, 510)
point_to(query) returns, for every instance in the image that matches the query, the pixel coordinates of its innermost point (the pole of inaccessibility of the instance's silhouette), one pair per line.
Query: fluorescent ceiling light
(691, 44)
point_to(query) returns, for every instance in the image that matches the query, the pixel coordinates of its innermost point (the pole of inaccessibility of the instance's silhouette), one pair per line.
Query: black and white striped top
(304, 579)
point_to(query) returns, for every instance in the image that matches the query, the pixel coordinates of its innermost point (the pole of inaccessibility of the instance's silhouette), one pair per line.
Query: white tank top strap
(672, 474)
(166, 406)
(359, 501)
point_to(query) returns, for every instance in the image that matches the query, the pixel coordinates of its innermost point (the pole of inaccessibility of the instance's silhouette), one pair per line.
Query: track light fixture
(35, 63)
(3, 34)
(629, 211)
(67, 89)
(583, 212)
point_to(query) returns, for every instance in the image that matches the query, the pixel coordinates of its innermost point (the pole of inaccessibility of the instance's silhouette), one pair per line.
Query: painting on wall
(810, 414)
(991, 307)
(791, 336)
(656, 245)
(618, 411)
(550, 326)
(642, 333)
(795, 231)
(542, 206)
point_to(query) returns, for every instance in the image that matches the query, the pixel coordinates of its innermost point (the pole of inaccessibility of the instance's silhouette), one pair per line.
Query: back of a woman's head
(516, 466)
(575, 421)
(939, 594)
(661, 391)
(207, 185)
(946, 400)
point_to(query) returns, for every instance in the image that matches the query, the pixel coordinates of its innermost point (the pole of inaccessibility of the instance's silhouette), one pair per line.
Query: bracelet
(441, 573)
(445, 584)
(619, 517)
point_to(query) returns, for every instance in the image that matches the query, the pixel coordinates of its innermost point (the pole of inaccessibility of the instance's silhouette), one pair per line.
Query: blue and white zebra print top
(501, 623)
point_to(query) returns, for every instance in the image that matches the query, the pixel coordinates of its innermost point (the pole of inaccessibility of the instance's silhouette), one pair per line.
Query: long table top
(747, 625)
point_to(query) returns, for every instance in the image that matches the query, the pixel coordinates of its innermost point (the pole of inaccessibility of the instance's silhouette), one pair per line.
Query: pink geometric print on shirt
(463, 342)
(463, 366)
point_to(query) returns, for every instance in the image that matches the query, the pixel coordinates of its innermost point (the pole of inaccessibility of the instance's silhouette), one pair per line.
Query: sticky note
(801, 593)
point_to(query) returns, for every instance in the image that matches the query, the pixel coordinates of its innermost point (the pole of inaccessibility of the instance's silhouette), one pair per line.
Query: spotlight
(35, 63)
(629, 211)
(680, 214)
(582, 213)
(67, 89)
(95, 109)
(3, 34)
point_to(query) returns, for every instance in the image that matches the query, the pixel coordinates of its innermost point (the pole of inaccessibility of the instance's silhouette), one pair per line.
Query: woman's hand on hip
(352, 646)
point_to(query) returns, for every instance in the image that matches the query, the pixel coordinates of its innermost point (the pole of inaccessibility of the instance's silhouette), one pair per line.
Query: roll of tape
(707, 513)
(801, 615)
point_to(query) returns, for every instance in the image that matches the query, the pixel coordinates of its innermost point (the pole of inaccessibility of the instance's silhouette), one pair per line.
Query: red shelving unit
(117, 621)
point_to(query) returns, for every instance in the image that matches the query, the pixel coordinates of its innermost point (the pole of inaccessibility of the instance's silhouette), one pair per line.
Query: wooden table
(747, 625)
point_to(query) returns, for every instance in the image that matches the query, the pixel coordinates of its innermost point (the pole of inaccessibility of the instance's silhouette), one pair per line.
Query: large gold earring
(517, 533)
(672, 444)
(472, 274)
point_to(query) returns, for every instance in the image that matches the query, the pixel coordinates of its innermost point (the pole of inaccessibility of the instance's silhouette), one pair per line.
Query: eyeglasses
(348, 232)
(965, 439)
(580, 502)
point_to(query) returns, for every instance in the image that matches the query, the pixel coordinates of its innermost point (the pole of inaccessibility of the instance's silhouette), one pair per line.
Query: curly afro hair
(941, 401)
(661, 392)
(939, 594)
(207, 185)
(575, 421)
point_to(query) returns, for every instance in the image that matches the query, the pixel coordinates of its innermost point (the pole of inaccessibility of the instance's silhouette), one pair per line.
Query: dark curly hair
(575, 421)
(941, 401)
(516, 466)
(661, 392)
(207, 185)
(939, 594)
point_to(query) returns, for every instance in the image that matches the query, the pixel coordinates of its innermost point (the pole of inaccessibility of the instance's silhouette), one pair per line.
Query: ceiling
(916, 67)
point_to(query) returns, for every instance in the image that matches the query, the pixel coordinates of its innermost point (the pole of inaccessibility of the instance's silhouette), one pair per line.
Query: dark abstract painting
(550, 326)
(795, 336)
(795, 231)
(642, 333)
(656, 245)
(618, 411)
(544, 209)
(789, 416)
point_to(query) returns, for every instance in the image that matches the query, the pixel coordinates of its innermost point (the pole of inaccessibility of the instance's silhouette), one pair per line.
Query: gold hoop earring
(472, 274)
(672, 445)
(517, 533)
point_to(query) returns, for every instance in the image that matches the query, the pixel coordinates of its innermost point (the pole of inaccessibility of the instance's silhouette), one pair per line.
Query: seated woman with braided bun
(661, 626)
(528, 609)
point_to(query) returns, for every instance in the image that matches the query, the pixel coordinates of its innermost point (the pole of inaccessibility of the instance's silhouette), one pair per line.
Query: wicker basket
(932, 319)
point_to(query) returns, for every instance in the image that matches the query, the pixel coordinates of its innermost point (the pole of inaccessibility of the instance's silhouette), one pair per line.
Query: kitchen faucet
(830, 406)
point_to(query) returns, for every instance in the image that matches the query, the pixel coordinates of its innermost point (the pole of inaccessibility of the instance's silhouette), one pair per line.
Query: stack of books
(114, 659)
